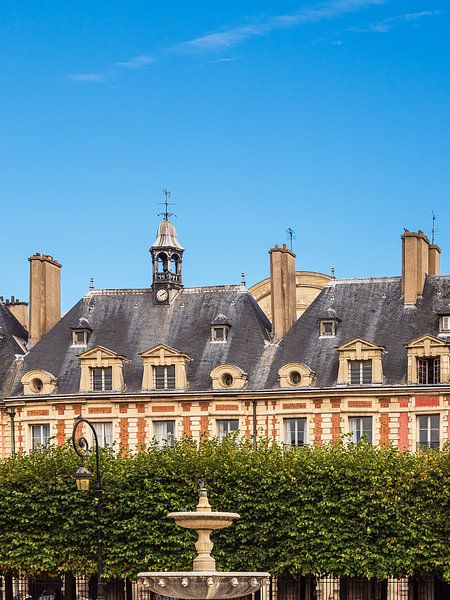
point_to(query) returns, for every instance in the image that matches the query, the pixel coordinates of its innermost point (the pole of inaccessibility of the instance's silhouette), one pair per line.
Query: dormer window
(164, 368)
(328, 328)
(80, 337)
(101, 370)
(444, 324)
(82, 333)
(219, 334)
(220, 328)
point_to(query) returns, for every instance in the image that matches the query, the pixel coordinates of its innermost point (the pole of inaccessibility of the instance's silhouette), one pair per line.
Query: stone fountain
(203, 582)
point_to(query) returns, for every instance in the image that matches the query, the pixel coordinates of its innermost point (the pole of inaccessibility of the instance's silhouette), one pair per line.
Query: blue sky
(328, 117)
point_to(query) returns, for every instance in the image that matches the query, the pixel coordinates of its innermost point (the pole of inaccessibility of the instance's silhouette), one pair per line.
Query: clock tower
(167, 258)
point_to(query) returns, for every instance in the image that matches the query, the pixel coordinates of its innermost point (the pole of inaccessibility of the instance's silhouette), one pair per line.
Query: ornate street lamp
(83, 477)
(11, 412)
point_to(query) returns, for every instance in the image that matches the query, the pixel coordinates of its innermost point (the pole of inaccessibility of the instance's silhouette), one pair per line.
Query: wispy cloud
(86, 77)
(386, 25)
(138, 62)
(220, 40)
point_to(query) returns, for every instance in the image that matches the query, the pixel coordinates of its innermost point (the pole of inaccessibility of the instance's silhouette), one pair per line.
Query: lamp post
(11, 412)
(83, 477)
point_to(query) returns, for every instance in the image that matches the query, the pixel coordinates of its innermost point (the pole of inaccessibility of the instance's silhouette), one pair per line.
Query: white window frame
(300, 430)
(226, 426)
(323, 325)
(357, 429)
(75, 341)
(166, 377)
(43, 428)
(444, 324)
(104, 431)
(103, 388)
(361, 371)
(162, 434)
(428, 429)
(214, 337)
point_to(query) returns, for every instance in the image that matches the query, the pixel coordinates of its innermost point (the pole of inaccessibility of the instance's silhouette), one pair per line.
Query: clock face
(162, 295)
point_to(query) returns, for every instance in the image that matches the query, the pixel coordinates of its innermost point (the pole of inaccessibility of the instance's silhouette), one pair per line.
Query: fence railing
(68, 587)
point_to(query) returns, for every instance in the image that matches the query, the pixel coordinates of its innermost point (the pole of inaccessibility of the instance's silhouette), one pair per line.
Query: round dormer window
(36, 385)
(295, 378)
(227, 379)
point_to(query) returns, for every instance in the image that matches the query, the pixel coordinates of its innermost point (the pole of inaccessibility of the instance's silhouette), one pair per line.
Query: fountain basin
(203, 520)
(195, 585)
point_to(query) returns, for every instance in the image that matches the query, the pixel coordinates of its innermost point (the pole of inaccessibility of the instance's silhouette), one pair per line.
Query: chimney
(18, 309)
(45, 295)
(283, 289)
(434, 260)
(419, 259)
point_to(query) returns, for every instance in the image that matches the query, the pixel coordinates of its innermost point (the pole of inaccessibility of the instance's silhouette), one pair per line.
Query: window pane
(107, 378)
(367, 371)
(40, 435)
(436, 370)
(355, 372)
(164, 432)
(295, 432)
(104, 434)
(97, 379)
(225, 427)
(159, 378)
(170, 372)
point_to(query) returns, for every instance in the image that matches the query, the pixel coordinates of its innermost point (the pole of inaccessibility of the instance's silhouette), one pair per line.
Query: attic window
(328, 328)
(80, 337)
(220, 327)
(444, 324)
(219, 333)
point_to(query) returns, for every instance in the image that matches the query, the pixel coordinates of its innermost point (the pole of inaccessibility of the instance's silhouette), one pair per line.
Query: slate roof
(371, 309)
(128, 322)
(13, 337)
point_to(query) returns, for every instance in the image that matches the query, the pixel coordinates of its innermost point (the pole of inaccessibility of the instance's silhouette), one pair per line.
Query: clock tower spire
(167, 258)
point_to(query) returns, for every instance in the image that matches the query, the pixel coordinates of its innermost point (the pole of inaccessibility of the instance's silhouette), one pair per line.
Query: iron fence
(68, 587)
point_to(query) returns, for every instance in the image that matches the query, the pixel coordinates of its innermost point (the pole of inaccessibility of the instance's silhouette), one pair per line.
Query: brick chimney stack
(419, 259)
(283, 289)
(45, 295)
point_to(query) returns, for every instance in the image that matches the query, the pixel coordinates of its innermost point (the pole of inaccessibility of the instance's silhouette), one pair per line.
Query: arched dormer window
(295, 375)
(38, 382)
(228, 377)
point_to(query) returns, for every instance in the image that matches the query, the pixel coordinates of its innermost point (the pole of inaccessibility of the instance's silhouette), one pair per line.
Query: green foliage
(346, 509)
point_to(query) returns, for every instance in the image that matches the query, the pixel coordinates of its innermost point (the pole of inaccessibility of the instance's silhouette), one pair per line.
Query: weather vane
(166, 214)
(291, 234)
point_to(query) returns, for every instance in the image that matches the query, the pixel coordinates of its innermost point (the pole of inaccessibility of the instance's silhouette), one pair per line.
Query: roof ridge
(343, 281)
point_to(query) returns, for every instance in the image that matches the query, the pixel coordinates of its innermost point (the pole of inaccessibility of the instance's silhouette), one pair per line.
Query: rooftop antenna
(291, 234)
(433, 229)
(166, 214)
